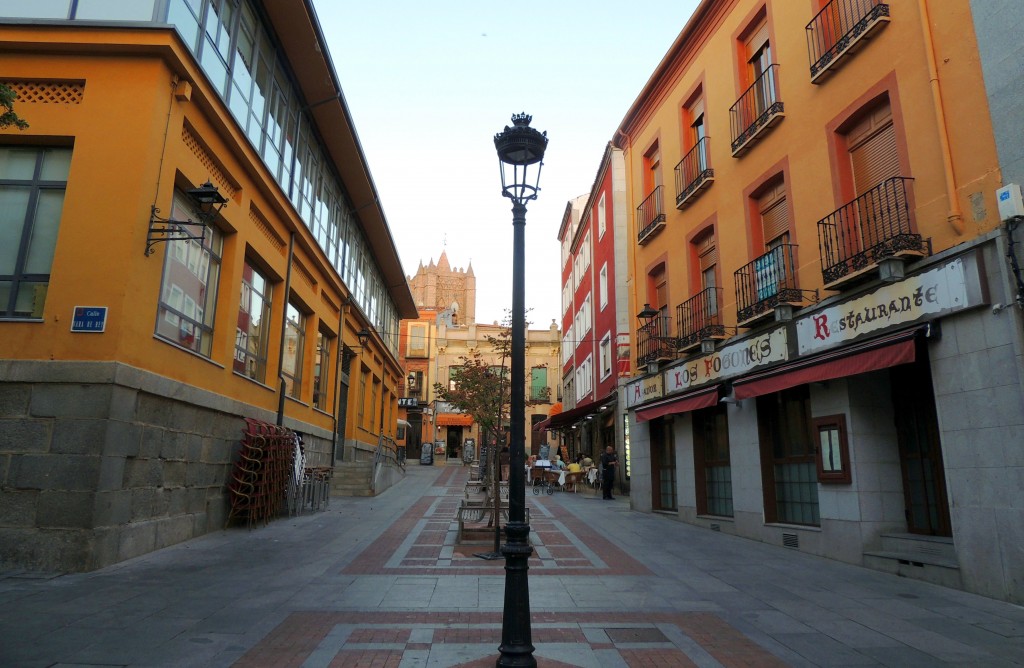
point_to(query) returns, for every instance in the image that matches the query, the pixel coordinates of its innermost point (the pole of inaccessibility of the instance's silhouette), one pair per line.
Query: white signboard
(731, 360)
(943, 289)
(643, 390)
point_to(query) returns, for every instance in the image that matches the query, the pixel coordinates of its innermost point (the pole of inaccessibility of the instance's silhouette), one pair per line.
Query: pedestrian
(609, 462)
(504, 460)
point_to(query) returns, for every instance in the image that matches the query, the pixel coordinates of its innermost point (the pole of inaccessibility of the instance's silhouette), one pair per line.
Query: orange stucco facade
(145, 122)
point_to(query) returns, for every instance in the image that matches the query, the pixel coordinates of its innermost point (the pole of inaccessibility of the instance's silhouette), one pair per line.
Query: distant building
(433, 345)
(595, 316)
(132, 351)
(825, 353)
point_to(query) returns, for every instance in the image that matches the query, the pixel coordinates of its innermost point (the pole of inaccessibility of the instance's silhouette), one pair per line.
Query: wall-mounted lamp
(891, 269)
(783, 313)
(707, 346)
(730, 400)
(364, 337)
(648, 314)
(209, 201)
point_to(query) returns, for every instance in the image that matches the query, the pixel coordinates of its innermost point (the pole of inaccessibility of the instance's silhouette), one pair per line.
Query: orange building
(138, 324)
(812, 246)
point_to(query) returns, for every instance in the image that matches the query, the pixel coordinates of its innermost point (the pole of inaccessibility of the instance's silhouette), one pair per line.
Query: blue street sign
(89, 319)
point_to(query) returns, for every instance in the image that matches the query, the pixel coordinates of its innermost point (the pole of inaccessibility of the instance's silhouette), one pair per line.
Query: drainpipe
(284, 331)
(954, 216)
(338, 361)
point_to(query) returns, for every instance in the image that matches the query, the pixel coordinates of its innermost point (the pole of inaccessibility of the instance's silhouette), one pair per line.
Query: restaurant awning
(880, 353)
(566, 418)
(705, 397)
(454, 420)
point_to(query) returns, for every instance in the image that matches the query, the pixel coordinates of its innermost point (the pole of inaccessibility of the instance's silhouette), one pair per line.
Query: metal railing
(654, 342)
(386, 454)
(766, 282)
(650, 214)
(756, 108)
(693, 172)
(838, 25)
(872, 227)
(699, 317)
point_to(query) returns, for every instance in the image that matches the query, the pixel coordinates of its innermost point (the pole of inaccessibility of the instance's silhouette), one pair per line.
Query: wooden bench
(473, 513)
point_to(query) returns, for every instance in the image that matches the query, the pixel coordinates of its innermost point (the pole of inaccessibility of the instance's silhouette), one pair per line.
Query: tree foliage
(8, 118)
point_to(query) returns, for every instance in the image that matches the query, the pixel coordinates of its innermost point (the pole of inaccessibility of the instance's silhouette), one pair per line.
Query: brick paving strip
(384, 638)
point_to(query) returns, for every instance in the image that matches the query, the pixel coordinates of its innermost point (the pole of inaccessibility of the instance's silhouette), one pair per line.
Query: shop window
(32, 183)
(322, 369)
(788, 462)
(252, 334)
(185, 313)
(294, 345)
(833, 454)
(711, 462)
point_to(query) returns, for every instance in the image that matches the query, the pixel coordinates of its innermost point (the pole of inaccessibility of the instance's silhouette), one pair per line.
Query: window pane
(56, 164)
(13, 207)
(17, 163)
(182, 18)
(118, 10)
(31, 297)
(37, 9)
(44, 232)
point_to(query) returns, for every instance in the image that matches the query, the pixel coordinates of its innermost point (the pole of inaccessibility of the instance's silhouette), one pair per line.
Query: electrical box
(1010, 203)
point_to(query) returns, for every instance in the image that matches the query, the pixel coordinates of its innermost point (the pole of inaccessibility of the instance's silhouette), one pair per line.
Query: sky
(429, 84)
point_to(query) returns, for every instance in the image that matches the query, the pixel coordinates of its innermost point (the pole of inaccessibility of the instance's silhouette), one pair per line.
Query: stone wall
(101, 462)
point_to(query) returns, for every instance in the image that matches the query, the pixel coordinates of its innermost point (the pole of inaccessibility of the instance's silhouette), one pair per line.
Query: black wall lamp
(209, 201)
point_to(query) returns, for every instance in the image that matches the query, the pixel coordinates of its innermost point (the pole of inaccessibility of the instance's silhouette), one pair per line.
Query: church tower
(438, 287)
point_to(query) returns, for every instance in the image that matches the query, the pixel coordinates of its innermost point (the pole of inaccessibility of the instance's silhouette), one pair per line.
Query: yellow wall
(801, 138)
(129, 152)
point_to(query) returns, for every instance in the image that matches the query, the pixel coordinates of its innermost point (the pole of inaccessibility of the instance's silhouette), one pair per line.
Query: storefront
(868, 429)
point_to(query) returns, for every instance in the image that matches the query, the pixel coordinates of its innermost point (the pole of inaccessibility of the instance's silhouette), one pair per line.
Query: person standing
(609, 462)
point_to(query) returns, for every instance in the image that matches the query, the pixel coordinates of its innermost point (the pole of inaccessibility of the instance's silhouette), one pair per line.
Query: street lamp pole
(520, 148)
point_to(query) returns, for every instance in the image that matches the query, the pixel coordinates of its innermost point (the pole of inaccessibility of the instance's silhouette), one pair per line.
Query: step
(934, 549)
(916, 566)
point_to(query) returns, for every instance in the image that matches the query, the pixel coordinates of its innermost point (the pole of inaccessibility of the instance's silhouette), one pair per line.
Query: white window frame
(603, 286)
(602, 219)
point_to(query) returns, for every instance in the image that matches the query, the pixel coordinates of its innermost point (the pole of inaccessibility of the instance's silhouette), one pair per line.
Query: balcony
(765, 284)
(653, 341)
(699, 319)
(650, 216)
(693, 174)
(842, 27)
(874, 228)
(757, 110)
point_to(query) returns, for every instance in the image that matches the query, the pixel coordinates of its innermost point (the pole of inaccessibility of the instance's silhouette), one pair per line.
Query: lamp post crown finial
(521, 120)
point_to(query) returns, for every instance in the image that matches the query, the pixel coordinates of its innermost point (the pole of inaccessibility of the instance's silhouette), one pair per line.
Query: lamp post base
(516, 644)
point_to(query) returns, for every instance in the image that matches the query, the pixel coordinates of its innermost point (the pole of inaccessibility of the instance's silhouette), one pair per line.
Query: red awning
(691, 401)
(542, 425)
(880, 353)
(566, 418)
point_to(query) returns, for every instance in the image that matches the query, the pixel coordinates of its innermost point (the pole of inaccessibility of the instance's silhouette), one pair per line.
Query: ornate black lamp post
(520, 155)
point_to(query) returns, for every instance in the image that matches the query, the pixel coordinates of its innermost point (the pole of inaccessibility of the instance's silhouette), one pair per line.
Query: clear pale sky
(429, 84)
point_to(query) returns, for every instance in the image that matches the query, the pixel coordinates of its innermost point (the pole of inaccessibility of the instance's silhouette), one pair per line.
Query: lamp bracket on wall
(209, 203)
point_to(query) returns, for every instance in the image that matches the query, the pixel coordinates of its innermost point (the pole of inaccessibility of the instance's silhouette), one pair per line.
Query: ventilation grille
(52, 92)
(263, 226)
(791, 540)
(304, 273)
(715, 526)
(227, 188)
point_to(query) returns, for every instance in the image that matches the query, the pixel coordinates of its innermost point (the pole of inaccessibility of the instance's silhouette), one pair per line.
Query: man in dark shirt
(609, 461)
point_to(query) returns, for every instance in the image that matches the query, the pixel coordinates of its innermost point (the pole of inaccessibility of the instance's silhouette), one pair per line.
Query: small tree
(8, 118)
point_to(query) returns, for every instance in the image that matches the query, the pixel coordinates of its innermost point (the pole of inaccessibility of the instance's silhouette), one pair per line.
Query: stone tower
(438, 287)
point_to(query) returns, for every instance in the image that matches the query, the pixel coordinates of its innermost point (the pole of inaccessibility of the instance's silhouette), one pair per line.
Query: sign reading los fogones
(731, 360)
(944, 289)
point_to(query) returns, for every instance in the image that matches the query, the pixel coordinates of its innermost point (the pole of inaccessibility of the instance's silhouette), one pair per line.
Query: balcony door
(873, 160)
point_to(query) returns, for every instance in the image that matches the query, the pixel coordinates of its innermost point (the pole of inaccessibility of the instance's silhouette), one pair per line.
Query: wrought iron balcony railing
(839, 28)
(758, 109)
(693, 173)
(767, 282)
(699, 318)
(650, 215)
(653, 341)
(873, 227)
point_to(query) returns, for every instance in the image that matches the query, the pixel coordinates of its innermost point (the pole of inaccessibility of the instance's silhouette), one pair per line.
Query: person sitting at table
(558, 463)
(575, 466)
(587, 462)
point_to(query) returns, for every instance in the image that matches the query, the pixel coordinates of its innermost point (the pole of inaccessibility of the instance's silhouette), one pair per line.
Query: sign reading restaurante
(940, 290)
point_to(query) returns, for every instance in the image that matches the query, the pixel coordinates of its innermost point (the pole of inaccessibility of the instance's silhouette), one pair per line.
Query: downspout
(339, 358)
(284, 331)
(954, 216)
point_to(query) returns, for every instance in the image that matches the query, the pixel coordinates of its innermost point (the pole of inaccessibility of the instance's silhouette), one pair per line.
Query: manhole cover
(636, 635)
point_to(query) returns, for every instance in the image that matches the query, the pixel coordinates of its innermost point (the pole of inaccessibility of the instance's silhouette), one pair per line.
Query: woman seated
(558, 463)
(574, 467)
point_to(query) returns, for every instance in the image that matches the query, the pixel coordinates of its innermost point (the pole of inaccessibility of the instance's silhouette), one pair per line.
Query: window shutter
(696, 110)
(875, 160)
(757, 39)
(775, 221)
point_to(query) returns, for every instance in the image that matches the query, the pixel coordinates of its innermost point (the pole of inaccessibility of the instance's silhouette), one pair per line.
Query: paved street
(380, 582)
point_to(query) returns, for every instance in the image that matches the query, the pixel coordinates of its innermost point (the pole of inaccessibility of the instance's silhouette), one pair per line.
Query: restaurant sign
(942, 290)
(732, 360)
(643, 390)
